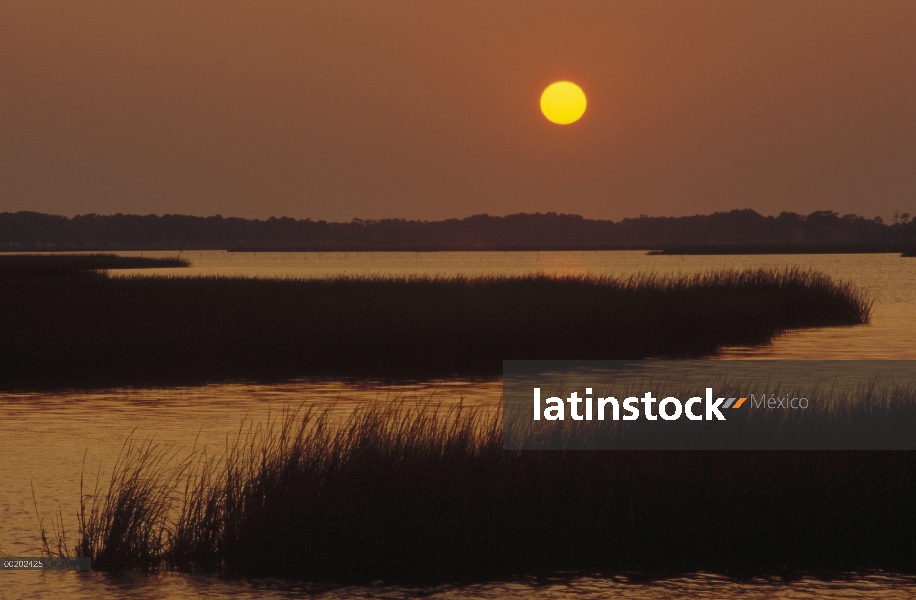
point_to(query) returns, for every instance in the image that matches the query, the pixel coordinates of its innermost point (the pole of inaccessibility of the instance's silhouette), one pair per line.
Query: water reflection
(701, 586)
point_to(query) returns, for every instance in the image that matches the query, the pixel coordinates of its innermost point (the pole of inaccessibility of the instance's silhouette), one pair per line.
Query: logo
(609, 408)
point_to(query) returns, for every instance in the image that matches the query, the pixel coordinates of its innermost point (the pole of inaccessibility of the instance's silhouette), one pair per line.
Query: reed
(90, 330)
(422, 495)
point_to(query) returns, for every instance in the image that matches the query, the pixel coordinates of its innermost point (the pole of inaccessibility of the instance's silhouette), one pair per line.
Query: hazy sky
(430, 109)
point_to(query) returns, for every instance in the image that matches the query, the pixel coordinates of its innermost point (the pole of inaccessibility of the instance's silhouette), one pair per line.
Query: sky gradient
(430, 110)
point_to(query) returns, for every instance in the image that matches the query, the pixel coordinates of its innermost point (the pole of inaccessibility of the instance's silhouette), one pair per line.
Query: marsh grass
(61, 264)
(126, 526)
(88, 330)
(423, 495)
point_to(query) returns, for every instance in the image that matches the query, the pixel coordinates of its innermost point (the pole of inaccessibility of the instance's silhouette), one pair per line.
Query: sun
(563, 102)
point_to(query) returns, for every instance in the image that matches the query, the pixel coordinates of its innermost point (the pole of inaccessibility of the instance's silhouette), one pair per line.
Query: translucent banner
(709, 405)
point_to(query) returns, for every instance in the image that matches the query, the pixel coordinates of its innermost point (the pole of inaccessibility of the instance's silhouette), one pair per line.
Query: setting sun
(563, 102)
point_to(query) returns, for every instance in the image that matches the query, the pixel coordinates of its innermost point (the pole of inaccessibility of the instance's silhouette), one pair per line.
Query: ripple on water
(173, 586)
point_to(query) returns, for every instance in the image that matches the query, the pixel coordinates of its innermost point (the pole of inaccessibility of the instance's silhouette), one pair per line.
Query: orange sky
(429, 109)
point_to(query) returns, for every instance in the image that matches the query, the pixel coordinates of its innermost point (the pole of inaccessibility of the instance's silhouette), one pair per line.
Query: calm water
(45, 438)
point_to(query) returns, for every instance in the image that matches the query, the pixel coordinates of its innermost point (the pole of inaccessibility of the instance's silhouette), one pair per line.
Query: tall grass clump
(127, 527)
(421, 495)
(89, 330)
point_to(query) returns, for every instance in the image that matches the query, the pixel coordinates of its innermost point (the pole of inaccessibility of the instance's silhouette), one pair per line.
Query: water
(79, 586)
(47, 438)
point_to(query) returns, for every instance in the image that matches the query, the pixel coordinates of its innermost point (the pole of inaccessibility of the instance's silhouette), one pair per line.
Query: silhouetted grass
(89, 330)
(45, 264)
(129, 527)
(430, 496)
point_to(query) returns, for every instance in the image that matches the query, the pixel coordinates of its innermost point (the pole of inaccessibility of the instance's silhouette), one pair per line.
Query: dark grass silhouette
(45, 264)
(428, 496)
(86, 329)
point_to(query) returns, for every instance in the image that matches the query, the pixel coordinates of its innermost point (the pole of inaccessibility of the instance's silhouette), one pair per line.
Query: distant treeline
(36, 231)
